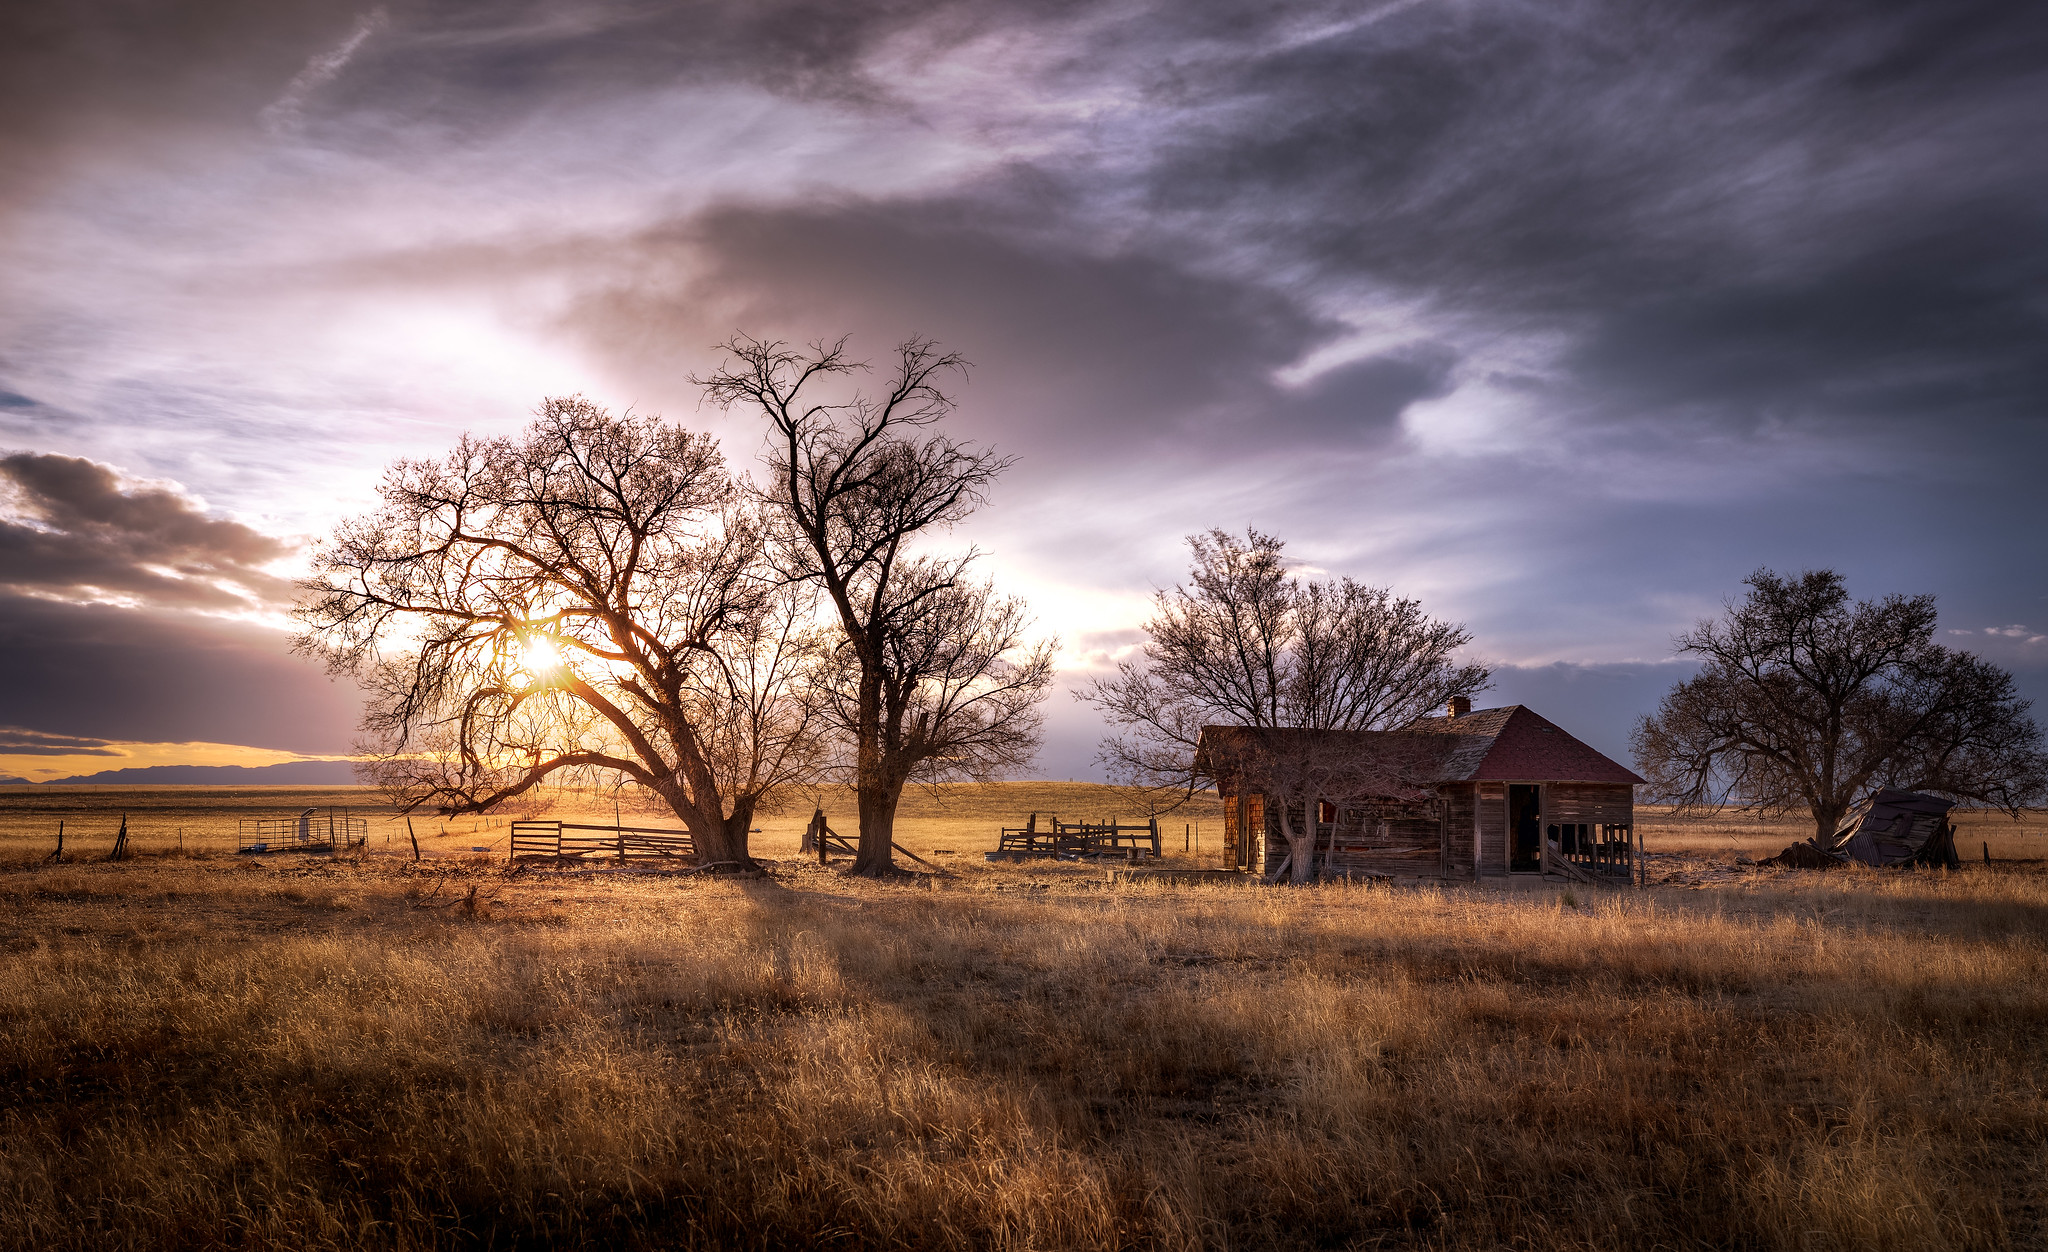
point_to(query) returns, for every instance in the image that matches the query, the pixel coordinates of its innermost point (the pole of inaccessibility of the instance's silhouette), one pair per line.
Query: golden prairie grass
(357, 1052)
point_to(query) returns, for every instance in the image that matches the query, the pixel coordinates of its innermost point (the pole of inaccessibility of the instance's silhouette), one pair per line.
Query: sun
(539, 658)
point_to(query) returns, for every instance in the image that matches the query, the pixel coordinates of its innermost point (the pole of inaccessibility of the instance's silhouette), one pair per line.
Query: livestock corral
(360, 1048)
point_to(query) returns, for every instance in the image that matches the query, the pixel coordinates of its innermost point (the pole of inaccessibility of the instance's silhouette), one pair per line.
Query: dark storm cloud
(1072, 349)
(78, 675)
(470, 62)
(83, 81)
(15, 741)
(1599, 703)
(1062, 340)
(81, 76)
(74, 529)
(1734, 211)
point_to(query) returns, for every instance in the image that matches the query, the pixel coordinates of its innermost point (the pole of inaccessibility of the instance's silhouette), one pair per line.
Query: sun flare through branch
(591, 598)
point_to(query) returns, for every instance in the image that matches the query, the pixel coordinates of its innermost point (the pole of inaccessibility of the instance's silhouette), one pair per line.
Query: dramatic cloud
(71, 528)
(118, 608)
(1562, 317)
(15, 741)
(80, 676)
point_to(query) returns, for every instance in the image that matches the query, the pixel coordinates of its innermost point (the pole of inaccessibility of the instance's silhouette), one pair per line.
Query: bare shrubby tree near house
(1245, 643)
(591, 596)
(1298, 771)
(935, 678)
(1806, 700)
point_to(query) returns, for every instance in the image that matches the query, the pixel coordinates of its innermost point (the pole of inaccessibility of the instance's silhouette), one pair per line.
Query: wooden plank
(1556, 862)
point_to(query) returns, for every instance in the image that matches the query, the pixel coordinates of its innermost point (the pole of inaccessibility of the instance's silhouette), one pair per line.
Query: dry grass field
(201, 1050)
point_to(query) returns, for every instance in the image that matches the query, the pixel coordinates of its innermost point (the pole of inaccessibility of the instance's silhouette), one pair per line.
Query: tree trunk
(877, 828)
(1301, 848)
(718, 838)
(876, 789)
(1827, 819)
(725, 842)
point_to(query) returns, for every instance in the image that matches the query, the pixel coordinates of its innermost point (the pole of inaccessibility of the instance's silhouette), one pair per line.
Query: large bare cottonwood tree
(1807, 700)
(592, 596)
(935, 678)
(1246, 643)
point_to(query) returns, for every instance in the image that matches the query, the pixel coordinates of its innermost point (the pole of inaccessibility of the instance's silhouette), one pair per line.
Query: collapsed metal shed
(1898, 828)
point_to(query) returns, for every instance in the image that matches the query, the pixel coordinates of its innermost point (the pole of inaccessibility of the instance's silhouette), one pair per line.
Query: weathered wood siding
(1381, 837)
(1461, 813)
(1466, 826)
(1244, 816)
(1597, 803)
(1493, 829)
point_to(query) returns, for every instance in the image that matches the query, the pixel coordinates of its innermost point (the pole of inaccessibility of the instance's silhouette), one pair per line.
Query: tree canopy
(1247, 643)
(591, 595)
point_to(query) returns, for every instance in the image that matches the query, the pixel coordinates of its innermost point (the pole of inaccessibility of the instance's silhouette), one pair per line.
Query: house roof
(1511, 744)
(1516, 744)
(1395, 764)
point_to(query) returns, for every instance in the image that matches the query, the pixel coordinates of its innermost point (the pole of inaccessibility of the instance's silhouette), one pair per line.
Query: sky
(1559, 317)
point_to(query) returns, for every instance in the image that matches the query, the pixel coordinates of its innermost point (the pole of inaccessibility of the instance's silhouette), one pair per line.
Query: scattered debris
(1802, 856)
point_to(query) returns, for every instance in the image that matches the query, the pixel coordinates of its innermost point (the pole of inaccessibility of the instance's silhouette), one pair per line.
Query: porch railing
(1606, 852)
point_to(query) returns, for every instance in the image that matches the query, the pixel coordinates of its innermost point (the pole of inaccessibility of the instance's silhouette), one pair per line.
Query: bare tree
(935, 679)
(1808, 701)
(590, 596)
(1245, 643)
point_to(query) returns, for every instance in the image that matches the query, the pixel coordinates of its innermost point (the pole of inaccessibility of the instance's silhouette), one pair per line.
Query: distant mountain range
(5, 779)
(287, 774)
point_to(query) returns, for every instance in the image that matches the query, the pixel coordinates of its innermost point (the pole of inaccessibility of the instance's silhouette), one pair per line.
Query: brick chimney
(1460, 706)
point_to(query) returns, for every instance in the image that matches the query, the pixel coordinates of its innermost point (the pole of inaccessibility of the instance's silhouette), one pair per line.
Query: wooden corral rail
(819, 837)
(564, 841)
(1076, 839)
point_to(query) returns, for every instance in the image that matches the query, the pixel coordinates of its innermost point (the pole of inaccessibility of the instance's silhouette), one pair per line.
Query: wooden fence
(565, 841)
(1077, 839)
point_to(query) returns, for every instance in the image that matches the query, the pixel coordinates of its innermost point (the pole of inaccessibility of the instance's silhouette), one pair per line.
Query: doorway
(1525, 828)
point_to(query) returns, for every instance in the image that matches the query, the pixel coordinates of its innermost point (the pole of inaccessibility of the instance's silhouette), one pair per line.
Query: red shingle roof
(1520, 746)
(1510, 744)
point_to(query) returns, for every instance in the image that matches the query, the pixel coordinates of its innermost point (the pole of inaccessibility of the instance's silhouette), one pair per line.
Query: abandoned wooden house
(1460, 797)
